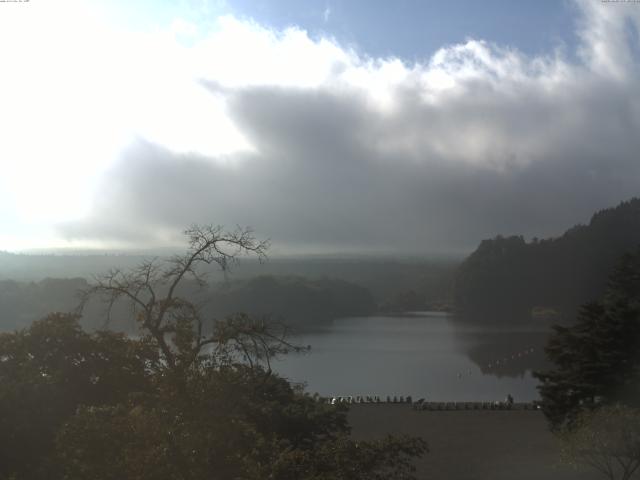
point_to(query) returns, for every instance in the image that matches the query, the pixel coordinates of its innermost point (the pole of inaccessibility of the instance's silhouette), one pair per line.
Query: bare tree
(607, 439)
(174, 323)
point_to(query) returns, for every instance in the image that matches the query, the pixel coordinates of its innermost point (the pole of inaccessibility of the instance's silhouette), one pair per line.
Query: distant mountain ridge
(298, 301)
(509, 276)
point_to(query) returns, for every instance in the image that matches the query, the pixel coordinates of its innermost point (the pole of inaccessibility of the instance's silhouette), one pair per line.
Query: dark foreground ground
(472, 445)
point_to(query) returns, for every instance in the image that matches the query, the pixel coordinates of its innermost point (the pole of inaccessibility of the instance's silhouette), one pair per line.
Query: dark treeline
(297, 301)
(301, 292)
(390, 281)
(507, 276)
(23, 302)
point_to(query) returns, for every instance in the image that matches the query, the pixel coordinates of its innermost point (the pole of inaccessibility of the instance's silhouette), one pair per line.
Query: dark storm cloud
(321, 180)
(514, 147)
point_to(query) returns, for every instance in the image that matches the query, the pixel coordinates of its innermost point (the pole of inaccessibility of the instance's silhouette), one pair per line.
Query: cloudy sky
(329, 126)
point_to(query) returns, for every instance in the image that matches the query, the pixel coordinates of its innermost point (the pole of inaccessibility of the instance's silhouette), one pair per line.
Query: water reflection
(503, 351)
(426, 355)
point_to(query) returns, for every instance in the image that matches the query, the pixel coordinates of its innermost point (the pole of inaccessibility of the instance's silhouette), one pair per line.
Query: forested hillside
(297, 301)
(390, 280)
(509, 276)
(23, 302)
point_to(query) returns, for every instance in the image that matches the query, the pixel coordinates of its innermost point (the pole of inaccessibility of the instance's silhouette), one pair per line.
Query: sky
(408, 127)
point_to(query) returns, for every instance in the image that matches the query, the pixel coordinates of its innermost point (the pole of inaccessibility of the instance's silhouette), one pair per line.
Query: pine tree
(596, 359)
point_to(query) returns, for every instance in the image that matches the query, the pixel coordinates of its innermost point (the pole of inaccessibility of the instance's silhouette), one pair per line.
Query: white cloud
(609, 34)
(78, 90)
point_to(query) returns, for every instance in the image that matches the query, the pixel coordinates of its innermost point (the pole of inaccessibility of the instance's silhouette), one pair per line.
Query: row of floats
(367, 399)
(436, 406)
(421, 404)
(515, 356)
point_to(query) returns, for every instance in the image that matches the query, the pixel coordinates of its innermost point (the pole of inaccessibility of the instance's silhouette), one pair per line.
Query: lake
(425, 355)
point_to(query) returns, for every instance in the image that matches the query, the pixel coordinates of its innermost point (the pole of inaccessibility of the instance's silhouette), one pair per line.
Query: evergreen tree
(596, 359)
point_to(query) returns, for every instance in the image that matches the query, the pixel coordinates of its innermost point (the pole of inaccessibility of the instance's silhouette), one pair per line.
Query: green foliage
(100, 406)
(179, 401)
(233, 422)
(597, 360)
(507, 276)
(607, 440)
(46, 372)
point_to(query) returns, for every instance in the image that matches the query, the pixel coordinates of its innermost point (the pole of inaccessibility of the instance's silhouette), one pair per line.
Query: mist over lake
(425, 354)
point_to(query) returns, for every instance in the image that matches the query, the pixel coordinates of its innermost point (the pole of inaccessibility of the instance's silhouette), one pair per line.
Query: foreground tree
(47, 372)
(607, 440)
(597, 360)
(228, 424)
(156, 292)
(197, 398)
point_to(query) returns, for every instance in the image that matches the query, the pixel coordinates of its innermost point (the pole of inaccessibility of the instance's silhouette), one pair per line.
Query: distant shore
(471, 444)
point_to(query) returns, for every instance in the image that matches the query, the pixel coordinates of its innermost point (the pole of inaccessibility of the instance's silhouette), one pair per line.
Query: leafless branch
(175, 323)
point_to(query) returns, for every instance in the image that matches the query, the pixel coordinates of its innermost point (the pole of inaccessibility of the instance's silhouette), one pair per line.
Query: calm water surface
(423, 355)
